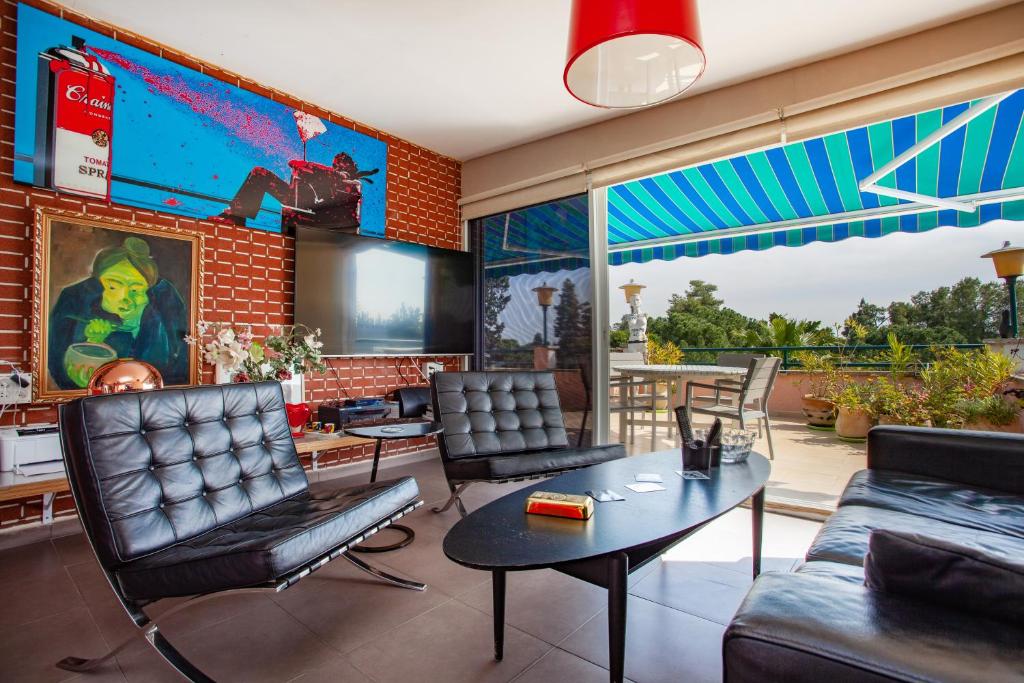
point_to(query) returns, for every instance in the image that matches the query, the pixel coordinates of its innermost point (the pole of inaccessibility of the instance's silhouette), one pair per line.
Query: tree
(869, 316)
(572, 324)
(496, 297)
(698, 318)
(779, 330)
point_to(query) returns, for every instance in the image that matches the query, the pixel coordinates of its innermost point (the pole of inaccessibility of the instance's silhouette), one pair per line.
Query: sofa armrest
(987, 459)
(801, 627)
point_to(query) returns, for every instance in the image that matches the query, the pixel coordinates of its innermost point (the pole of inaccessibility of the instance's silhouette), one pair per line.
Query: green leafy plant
(995, 410)
(900, 402)
(960, 376)
(900, 356)
(295, 350)
(663, 353)
(824, 377)
(857, 396)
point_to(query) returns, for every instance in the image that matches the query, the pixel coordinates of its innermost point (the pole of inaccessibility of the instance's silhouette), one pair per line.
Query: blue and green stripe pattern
(817, 178)
(542, 238)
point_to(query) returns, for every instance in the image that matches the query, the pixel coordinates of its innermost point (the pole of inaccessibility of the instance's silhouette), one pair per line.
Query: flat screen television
(375, 297)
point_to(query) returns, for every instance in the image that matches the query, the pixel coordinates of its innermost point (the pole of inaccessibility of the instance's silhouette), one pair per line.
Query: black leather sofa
(504, 426)
(199, 492)
(822, 623)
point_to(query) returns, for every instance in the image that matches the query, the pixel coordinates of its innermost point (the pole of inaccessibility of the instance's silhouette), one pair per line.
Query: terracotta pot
(820, 412)
(982, 425)
(853, 424)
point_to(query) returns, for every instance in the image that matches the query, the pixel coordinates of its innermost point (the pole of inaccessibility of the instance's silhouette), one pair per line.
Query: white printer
(31, 449)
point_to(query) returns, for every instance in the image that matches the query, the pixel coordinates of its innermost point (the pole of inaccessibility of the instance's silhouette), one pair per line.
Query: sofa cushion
(940, 572)
(532, 463)
(802, 628)
(844, 537)
(850, 573)
(267, 545)
(970, 506)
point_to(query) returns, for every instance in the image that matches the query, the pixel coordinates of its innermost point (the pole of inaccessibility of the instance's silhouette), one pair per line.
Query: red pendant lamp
(632, 53)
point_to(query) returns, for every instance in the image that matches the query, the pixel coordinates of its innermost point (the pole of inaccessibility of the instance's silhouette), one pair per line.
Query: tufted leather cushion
(157, 468)
(490, 413)
(268, 544)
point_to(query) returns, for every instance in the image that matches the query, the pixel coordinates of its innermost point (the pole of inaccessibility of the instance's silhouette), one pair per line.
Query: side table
(394, 429)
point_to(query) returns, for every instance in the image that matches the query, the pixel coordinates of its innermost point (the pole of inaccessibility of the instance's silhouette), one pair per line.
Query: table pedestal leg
(498, 588)
(757, 514)
(376, 460)
(618, 573)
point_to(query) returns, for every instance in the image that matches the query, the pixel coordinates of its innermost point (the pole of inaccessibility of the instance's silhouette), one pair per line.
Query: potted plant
(964, 385)
(855, 405)
(823, 379)
(991, 414)
(662, 353)
(898, 403)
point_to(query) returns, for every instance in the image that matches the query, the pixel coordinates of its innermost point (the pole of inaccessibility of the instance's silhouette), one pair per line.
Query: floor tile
(703, 590)
(35, 561)
(32, 599)
(559, 665)
(337, 670)
(347, 607)
(263, 644)
(28, 652)
(425, 561)
(73, 549)
(450, 644)
(543, 603)
(662, 644)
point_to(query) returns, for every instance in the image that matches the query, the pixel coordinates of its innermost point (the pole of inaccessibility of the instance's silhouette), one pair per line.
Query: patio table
(680, 375)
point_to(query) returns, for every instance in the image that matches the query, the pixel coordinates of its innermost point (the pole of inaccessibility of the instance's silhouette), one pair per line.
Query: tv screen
(371, 296)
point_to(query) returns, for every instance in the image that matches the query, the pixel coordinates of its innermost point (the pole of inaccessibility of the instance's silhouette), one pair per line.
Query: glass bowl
(736, 443)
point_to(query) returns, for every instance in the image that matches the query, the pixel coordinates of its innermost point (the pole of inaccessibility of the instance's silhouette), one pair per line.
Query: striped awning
(542, 238)
(814, 190)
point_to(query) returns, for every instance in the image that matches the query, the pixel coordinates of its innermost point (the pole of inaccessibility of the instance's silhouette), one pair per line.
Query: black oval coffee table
(620, 538)
(391, 429)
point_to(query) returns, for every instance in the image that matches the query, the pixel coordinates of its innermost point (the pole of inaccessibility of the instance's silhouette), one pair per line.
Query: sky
(822, 281)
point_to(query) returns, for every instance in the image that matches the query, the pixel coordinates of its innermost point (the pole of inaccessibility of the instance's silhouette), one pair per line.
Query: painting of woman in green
(125, 309)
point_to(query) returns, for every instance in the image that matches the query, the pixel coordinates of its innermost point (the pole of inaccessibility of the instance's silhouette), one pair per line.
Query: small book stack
(560, 505)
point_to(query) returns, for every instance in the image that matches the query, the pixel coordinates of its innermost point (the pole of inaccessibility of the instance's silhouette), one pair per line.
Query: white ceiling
(470, 77)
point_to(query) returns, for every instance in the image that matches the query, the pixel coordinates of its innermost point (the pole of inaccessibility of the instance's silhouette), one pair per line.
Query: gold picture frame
(105, 288)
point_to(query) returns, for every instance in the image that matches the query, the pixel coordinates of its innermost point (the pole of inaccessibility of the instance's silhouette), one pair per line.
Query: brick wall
(249, 274)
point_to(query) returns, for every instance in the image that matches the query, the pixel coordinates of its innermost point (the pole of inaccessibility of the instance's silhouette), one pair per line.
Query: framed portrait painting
(107, 289)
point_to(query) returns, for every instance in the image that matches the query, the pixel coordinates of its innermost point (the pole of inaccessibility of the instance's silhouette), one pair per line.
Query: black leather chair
(504, 426)
(199, 492)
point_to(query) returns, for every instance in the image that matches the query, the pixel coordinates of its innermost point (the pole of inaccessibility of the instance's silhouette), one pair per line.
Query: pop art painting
(98, 118)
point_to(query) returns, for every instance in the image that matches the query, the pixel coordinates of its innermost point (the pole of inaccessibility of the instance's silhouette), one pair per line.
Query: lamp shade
(631, 288)
(632, 53)
(545, 294)
(119, 376)
(1009, 261)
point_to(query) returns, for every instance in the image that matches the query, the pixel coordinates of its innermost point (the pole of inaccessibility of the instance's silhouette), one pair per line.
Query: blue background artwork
(183, 142)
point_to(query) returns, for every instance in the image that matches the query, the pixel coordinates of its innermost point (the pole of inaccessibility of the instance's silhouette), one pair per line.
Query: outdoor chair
(504, 426)
(199, 492)
(736, 360)
(751, 397)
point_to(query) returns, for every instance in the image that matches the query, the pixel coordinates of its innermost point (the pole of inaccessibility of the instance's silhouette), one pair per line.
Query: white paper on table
(645, 487)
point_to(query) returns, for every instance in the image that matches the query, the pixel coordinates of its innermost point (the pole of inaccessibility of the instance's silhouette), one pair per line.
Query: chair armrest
(729, 380)
(806, 628)
(988, 459)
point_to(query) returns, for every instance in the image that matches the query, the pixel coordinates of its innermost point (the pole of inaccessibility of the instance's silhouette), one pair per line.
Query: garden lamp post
(1009, 263)
(545, 295)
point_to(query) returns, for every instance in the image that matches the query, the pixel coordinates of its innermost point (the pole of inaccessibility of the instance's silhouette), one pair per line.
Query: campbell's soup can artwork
(77, 126)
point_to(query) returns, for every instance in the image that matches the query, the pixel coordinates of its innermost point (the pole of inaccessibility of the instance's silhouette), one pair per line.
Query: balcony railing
(864, 356)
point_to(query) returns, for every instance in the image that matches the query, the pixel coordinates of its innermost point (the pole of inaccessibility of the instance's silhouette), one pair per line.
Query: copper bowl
(123, 375)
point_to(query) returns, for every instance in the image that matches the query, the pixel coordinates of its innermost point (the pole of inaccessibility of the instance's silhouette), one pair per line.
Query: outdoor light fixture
(1009, 263)
(632, 53)
(545, 295)
(631, 288)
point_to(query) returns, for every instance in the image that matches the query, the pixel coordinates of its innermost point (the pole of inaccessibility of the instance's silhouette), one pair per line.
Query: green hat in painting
(134, 250)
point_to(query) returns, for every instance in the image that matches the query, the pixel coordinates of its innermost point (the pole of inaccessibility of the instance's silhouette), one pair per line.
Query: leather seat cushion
(849, 573)
(267, 545)
(974, 507)
(532, 463)
(844, 537)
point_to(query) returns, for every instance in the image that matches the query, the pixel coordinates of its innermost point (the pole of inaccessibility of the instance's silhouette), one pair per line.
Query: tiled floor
(342, 625)
(811, 468)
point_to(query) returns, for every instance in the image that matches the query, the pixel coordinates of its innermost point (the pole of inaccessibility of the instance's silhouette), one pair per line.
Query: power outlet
(11, 390)
(429, 369)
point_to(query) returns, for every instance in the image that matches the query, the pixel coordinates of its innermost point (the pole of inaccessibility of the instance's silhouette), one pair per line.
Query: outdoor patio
(810, 468)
